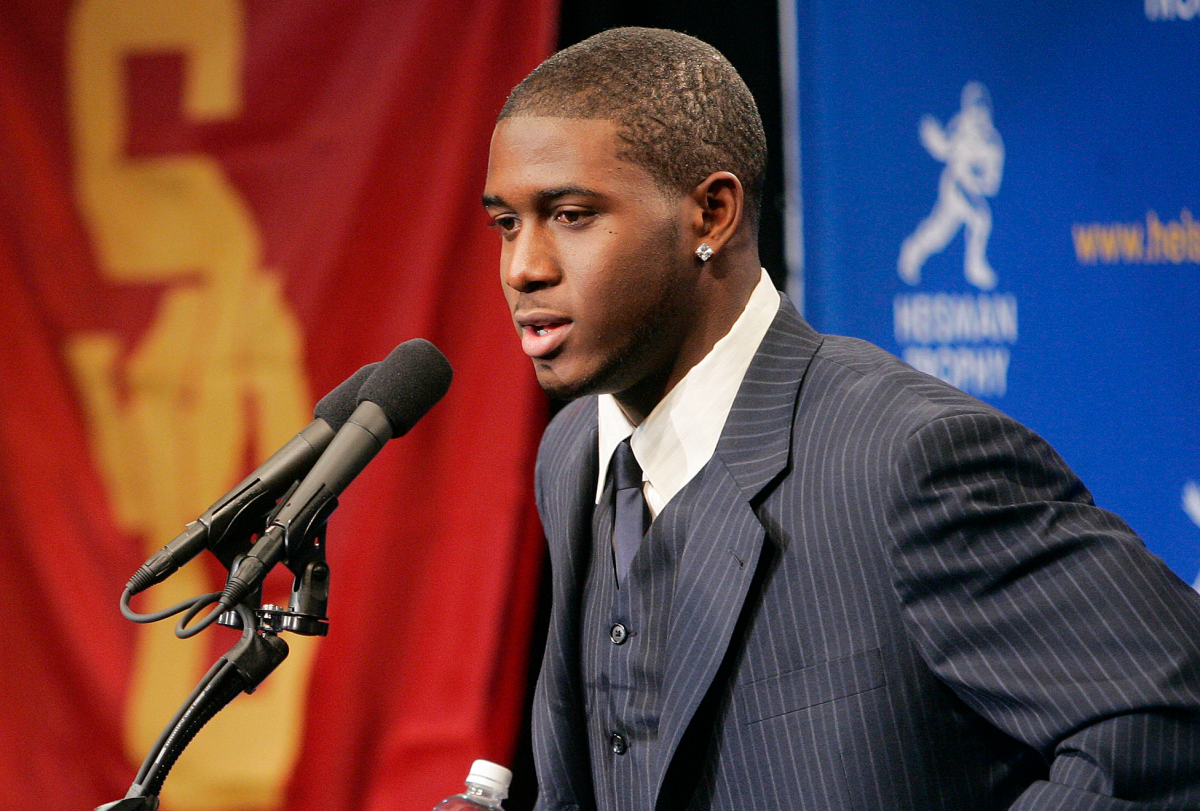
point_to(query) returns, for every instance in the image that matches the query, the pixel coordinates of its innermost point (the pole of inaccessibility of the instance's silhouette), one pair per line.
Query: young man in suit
(790, 572)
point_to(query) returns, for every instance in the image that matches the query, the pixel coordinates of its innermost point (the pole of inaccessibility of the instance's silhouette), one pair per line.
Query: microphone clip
(306, 611)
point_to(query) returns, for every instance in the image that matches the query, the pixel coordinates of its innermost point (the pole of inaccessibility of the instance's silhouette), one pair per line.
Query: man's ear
(720, 206)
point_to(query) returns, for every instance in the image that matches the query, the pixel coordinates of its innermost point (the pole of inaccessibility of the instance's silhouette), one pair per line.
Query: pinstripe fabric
(891, 597)
(623, 682)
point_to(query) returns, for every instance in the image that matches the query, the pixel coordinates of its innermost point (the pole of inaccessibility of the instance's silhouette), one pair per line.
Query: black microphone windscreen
(337, 406)
(407, 383)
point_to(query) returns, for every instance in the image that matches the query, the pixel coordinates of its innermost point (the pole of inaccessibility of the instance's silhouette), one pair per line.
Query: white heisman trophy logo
(1191, 506)
(1191, 501)
(971, 148)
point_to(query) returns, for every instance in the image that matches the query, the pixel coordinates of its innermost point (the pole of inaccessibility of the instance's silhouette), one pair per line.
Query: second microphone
(401, 390)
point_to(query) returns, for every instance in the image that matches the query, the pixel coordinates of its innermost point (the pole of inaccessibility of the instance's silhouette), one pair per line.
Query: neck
(730, 286)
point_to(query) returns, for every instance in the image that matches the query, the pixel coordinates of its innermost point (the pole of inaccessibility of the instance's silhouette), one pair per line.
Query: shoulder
(569, 436)
(857, 383)
(576, 419)
(860, 402)
(931, 444)
(848, 382)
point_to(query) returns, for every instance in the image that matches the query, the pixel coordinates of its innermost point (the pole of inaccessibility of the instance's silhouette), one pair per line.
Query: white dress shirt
(680, 435)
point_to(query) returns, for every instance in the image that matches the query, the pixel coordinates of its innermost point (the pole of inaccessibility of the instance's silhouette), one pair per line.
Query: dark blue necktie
(629, 508)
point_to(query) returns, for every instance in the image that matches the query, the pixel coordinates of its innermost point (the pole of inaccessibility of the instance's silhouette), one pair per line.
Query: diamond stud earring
(704, 253)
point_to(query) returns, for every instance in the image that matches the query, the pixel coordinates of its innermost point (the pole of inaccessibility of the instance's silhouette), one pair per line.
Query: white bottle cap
(490, 775)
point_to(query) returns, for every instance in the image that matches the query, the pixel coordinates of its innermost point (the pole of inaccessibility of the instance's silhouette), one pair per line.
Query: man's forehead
(550, 138)
(546, 151)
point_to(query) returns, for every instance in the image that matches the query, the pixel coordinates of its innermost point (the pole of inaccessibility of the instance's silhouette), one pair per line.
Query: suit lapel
(756, 442)
(725, 536)
(571, 475)
(560, 748)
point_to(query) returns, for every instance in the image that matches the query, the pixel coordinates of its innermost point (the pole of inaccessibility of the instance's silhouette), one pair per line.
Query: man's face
(599, 280)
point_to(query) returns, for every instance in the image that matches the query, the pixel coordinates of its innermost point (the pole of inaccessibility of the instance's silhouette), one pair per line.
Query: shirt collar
(679, 436)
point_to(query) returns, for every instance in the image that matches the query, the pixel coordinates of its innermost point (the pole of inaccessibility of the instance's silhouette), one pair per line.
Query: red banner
(211, 212)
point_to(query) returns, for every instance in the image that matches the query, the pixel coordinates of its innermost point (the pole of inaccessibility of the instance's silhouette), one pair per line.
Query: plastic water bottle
(487, 786)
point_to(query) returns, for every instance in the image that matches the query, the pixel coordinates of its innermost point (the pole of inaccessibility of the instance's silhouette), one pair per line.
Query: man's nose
(531, 263)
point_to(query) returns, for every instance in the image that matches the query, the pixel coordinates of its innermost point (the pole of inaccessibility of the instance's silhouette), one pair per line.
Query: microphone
(405, 385)
(269, 481)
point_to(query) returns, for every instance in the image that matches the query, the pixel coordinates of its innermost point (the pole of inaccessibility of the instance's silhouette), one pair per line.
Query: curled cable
(155, 616)
(198, 604)
(190, 608)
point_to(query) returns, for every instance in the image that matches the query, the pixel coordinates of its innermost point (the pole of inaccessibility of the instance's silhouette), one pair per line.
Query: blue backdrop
(1008, 196)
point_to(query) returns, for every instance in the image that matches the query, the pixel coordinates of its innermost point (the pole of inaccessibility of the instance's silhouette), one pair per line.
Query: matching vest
(622, 644)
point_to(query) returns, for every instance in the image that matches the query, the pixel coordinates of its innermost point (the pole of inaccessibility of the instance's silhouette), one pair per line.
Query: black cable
(155, 616)
(184, 632)
(214, 672)
(162, 737)
(190, 608)
(223, 688)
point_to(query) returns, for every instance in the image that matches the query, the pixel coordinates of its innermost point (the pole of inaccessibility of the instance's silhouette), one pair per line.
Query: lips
(542, 333)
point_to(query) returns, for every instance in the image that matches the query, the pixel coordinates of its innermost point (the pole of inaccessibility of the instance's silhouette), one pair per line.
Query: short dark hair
(681, 109)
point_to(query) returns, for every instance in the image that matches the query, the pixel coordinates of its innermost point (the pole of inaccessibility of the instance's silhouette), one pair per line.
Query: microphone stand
(245, 665)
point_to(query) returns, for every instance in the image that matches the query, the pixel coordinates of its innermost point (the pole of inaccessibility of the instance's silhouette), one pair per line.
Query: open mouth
(542, 338)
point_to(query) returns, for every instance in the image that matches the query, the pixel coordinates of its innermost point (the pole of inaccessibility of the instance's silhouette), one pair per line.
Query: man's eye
(506, 223)
(571, 216)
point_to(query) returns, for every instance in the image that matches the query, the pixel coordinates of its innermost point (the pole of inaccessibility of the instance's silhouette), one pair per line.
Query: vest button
(618, 634)
(618, 744)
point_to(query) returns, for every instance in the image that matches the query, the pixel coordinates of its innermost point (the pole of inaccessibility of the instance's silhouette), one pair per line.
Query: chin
(608, 374)
(562, 385)
(561, 389)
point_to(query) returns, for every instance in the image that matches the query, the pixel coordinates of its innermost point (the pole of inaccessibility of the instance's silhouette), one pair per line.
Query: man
(860, 588)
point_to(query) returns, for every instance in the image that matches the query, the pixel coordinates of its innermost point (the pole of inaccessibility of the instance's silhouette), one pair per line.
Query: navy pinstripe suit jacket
(891, 597)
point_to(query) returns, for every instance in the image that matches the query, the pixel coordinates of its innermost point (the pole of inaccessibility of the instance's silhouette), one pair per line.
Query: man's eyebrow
(544, 196)
(550, 195)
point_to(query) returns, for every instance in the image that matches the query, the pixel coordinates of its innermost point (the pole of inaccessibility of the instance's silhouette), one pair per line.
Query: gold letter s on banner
(220, 369)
